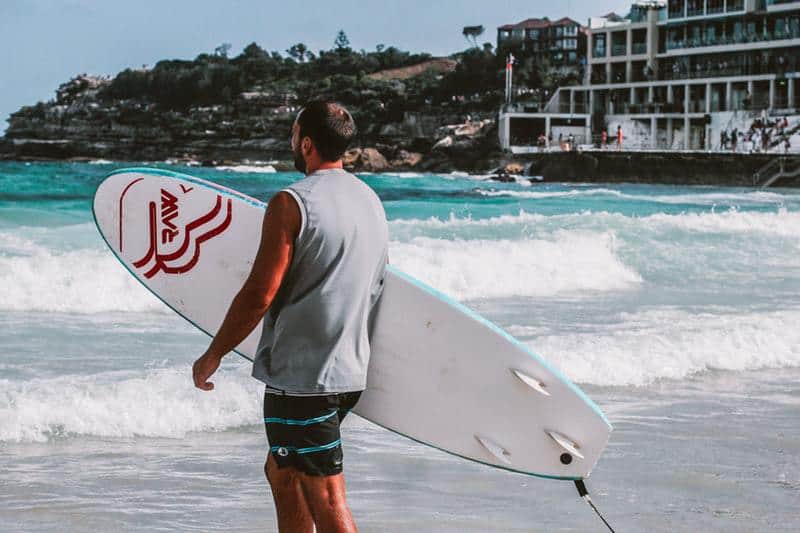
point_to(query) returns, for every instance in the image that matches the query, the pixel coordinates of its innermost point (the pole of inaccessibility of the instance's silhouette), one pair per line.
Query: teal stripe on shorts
(312, 449)
(296, 422)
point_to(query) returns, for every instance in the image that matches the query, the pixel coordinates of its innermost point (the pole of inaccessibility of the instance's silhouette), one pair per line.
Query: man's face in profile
(299, 161)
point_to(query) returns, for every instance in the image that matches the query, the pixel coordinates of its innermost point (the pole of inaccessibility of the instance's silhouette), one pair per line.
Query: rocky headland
(86, 120)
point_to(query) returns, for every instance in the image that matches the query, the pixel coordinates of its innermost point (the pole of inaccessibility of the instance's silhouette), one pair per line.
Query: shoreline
(589, 166)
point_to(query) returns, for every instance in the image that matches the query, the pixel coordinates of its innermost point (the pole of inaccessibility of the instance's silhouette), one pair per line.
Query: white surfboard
(439, 373)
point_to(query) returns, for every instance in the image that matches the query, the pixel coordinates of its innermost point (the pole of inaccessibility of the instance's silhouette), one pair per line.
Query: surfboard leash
(583, 492)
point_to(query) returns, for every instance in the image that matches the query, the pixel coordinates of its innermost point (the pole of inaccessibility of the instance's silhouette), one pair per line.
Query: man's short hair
(330, 127)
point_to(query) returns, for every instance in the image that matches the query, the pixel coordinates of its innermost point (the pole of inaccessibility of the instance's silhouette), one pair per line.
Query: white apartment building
(675, 75)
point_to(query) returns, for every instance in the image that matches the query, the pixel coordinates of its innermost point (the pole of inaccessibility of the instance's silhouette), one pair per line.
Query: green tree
(298, 52)
(342, 42)
(222, 50)
(471, 34)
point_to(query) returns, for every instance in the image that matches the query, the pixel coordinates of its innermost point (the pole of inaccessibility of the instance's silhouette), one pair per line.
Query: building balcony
(733, 39)
(639, 48)
(715, 72)
(619, 50)
(781, 3)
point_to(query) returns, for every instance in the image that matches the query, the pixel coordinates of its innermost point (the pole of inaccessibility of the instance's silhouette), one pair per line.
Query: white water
(155, 403)
(568, 262)
(648, 346)
(524, 255)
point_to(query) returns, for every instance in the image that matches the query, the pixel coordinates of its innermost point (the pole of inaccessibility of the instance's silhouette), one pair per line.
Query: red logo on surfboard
(174, 247)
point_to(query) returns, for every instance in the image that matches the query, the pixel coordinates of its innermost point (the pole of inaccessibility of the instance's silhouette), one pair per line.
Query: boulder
(447, 142)
(373, 161)
(405, 159)
(514, 168)
(366, 159)
(351, 157)
(392, 130)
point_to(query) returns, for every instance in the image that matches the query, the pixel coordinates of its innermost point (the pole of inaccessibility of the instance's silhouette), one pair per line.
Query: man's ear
(306, 146)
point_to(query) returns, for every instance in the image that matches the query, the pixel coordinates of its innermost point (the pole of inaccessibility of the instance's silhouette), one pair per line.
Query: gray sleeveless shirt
(315, 338)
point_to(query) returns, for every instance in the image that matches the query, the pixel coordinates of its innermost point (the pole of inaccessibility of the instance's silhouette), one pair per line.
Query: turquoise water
(675, 308)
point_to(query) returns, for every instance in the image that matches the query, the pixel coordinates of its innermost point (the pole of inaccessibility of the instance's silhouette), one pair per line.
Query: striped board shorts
(303, 431)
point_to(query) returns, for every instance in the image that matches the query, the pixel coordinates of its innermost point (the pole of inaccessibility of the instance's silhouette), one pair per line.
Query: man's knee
(324, 494)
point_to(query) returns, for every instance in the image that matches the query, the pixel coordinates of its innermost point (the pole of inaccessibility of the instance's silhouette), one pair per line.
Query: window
(716, 6)
(570, 44)
(675, 9)
(735, 5)
(599, 45)
(559, 31)
(571, 30)
(533, 34)
(781, 27)
(504, 34)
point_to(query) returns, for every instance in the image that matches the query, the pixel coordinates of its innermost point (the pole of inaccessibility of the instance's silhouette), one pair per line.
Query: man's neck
(326, 165)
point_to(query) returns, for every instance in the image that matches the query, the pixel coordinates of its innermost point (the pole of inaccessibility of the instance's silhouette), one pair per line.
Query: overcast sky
(45, 42)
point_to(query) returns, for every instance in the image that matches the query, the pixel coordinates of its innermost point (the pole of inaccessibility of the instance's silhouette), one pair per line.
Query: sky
(45, 42)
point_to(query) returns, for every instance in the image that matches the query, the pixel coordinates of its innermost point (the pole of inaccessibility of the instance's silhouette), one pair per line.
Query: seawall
(674, 168)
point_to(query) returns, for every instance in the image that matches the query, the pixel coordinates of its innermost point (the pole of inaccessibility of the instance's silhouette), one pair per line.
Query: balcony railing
(733, 39)
(619, 50)
(639, 48)
(668, 73)
(599, 51)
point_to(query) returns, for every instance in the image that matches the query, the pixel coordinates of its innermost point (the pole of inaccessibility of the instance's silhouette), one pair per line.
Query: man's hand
(203, 369)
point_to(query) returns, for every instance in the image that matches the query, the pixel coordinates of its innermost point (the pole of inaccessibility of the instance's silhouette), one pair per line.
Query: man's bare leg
(294, 515)
(325, 496)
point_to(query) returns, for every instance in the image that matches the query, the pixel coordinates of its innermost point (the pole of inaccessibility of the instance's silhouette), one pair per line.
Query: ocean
(677, 309)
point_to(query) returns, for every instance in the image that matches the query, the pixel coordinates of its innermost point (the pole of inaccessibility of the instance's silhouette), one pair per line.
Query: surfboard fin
(565, 443)
(532, 382)
(495, 449)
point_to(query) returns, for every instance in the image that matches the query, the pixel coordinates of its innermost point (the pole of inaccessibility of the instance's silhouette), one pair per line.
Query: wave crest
(160, 403)
(570, 262)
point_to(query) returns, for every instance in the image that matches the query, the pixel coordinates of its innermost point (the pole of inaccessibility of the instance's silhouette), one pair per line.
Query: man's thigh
(304, 431)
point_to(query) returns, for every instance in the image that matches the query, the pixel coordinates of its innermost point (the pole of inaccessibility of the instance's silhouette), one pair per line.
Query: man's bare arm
(279, 230)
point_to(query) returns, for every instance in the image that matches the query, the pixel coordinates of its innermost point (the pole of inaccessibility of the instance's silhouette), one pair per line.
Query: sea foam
(158, 403)
(79, 281)
(569, 262)
(648, 346)
(699, 198)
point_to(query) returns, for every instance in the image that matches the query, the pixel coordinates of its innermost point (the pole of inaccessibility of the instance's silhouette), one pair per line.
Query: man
(316, 278)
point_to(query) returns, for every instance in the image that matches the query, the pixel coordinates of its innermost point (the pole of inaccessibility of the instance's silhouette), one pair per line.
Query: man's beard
(299, 162)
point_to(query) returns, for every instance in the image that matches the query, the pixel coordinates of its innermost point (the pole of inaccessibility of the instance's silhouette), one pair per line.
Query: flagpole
(509, 76)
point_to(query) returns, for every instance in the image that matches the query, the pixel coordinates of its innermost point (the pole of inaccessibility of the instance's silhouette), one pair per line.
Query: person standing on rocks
(315, 283)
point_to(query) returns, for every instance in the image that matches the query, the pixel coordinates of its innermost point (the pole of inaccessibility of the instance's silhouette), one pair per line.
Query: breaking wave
(673, 344)
(159, 403)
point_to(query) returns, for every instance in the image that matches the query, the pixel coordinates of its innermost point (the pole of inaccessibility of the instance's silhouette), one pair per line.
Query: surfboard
(439, 373)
